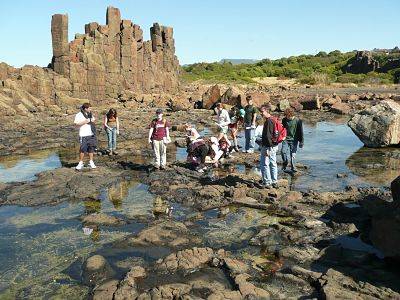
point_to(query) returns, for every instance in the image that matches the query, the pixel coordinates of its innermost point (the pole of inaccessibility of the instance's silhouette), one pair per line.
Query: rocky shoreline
(280, 244)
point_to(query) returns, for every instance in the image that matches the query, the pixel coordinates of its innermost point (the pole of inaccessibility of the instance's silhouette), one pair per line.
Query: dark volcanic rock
(363, 62)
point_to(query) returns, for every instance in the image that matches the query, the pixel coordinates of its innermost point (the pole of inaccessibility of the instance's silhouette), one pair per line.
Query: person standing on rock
(236, 116)
(294, 138)
(273, 133)
(249, 121)
(159, 138)
(87, 135)
(223, 120)
(111, 124)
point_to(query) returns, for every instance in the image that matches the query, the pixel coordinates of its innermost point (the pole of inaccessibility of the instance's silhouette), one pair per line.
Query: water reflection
(37, 244)
(17, 168)
(375, 166)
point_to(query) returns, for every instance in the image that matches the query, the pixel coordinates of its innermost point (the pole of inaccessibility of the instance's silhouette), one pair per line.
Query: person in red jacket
(269, 148)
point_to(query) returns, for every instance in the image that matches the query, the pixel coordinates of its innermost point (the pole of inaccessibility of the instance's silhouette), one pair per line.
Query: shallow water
(331, 148)
(37, 244)
(42, 248)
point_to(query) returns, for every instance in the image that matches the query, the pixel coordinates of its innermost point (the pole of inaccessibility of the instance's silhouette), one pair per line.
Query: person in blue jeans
(268, 165)
(294, 139)
(249, 121)
(111, 125)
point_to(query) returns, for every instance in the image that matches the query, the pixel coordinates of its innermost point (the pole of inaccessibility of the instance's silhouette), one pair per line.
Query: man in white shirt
(87, 135)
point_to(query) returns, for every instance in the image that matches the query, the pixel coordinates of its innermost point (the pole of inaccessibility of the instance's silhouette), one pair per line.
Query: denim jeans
(112, 138)
(249, 135)
(289, 149)
(268, 166)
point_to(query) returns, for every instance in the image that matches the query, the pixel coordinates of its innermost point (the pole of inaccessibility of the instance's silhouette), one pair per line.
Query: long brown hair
(112, 113)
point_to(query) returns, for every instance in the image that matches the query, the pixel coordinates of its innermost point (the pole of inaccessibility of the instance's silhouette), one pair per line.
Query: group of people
(85, 120)
(203, 150)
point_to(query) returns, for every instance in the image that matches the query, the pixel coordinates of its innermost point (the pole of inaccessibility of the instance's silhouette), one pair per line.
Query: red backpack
(279, 131)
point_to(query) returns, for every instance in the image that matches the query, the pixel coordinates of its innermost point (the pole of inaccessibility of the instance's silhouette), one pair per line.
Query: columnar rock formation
(108, 62)
(110, 58)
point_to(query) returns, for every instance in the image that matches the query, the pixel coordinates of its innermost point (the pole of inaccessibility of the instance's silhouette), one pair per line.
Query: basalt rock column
(111, 59)
(59, 33)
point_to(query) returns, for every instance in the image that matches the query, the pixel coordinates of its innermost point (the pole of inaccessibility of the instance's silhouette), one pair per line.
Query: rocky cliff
(106, 63)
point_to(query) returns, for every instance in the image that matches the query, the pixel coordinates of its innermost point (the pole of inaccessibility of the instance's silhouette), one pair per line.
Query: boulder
(329, 102)
(296, 105)
(259, 98)
(234, 96)
(340, 108)
(96, 270)
(311, 104)
(102, 219)
(378, 126)
(283, 105)
(385, 232)
(352, 98)
(211, 96)
(395, 187)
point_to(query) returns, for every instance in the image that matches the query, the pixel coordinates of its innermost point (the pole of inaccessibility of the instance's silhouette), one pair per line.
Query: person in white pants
(159, 138)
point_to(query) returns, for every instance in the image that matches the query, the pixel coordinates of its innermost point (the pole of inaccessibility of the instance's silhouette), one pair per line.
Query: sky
(207, 31)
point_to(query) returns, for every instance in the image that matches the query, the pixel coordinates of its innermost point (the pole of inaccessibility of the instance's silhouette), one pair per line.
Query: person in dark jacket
(268, 165)
(294, 139)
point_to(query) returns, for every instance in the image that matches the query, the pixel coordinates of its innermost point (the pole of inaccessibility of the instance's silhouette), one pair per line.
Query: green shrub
(322, 68)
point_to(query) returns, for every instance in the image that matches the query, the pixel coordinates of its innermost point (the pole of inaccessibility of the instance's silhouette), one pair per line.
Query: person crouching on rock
(225, 146)
(111, 125)
(159, 138)
(294, 138)
(87, 135)
(202, 151)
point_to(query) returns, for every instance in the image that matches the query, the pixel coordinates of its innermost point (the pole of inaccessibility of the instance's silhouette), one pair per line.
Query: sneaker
(244, 151)
(79, 166)
(115, 152)
(200, 170)
(266, 186)
(294, 170)
(236, 149)
(162, 168)
(92, 165)
(275, 185)
(250, 151)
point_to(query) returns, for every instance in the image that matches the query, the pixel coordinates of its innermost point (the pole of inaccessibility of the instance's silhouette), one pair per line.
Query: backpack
(279, 131)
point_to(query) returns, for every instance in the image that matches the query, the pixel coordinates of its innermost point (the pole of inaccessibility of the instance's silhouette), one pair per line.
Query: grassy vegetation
(322, 68)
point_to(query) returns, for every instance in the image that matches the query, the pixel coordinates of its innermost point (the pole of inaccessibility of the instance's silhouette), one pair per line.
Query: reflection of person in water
(92, 206)
(117, 193)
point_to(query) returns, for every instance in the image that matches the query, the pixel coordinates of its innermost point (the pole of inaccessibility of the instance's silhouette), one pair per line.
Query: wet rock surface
(227, 236)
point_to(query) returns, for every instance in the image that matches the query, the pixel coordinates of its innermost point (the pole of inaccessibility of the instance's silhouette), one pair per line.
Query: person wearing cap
(223, 120)
(249, 121)
(159, 138)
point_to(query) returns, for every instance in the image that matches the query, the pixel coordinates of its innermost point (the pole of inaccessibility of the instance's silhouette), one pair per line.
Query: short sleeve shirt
(85, 129)
(250, 110)
(159, 129)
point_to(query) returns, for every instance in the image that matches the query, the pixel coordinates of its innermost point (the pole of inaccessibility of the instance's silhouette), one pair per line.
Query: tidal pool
(42, 248)
(331, 148)
(38, 244)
